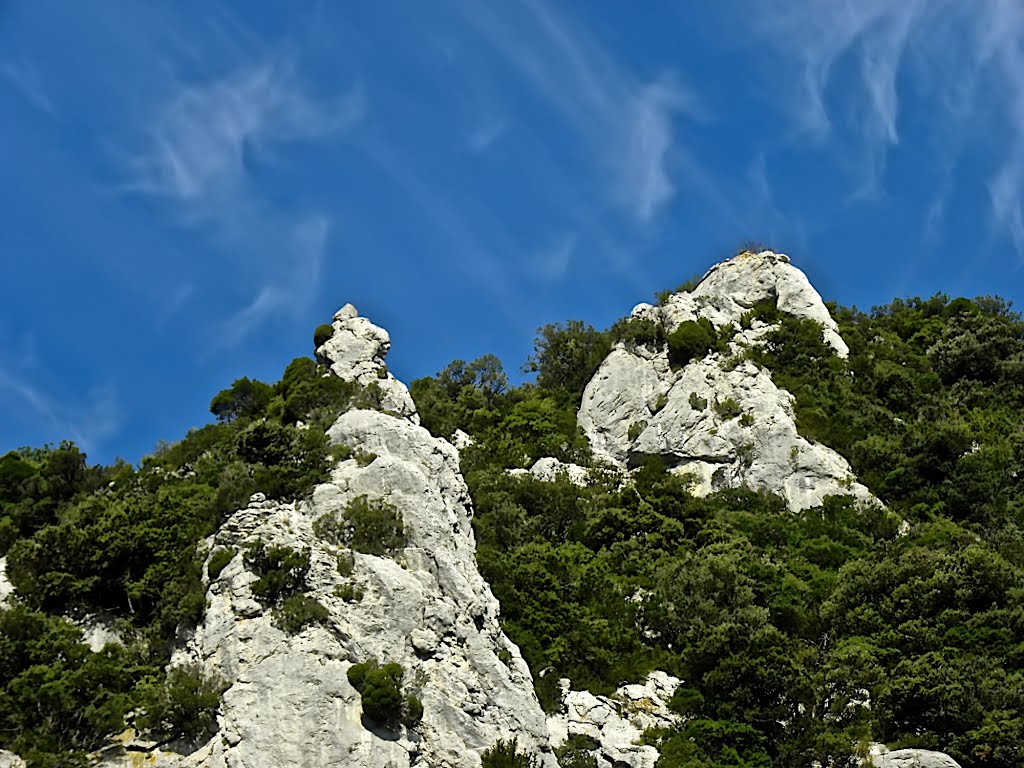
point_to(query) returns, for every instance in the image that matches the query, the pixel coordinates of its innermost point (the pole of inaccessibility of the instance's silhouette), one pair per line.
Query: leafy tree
(566, 356)
(245, 399)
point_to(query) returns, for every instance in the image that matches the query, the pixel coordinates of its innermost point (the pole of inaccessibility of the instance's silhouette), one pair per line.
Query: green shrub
(331, 528)
(728, 408)
(376, 526)
(692, 340)
(246, 398)
(636, 429)
(697, 402)
(281, 570)
(218, 561)
(382, 695)
(634, 331)
(297, 612)
(357, 673)
(412, 712)
(506, 754)
(765, 311)
(346, 563)
(322, 334)
(185, 704)
(349, 592)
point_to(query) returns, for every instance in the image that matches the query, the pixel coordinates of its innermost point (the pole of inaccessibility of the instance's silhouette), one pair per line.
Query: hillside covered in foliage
(798, 635)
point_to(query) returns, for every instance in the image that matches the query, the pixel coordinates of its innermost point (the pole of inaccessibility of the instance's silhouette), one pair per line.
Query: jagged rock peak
(720, 418)
(735, 285)
(356, 351)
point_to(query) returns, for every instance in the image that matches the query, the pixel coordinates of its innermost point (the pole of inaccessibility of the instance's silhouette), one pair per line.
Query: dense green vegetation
(124, 543)
(800, 637)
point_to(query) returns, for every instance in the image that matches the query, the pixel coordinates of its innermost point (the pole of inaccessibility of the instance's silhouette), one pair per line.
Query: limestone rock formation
(6, 588)
(720, 418)
(426, 607)
(881, 757)
(617, 722)
(357, 352)
(548, 469)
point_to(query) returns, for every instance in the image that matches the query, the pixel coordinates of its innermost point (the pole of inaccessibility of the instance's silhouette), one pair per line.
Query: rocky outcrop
(549, 469)
(721, 418)
(10, 760)
(6, 588)
(616, 723)
(357, 351)
(426, 607)
(881, 757)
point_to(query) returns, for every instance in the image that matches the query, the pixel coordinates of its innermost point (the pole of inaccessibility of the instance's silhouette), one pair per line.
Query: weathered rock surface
(549, 469)
(289, 702)
(616, 723)
(720, 418)
(357, 352)
(880, 757)
(10, 760)
(6, 588)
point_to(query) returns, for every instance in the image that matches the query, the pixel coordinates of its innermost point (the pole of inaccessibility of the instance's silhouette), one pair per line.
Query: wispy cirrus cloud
(627, 124)
(200, 157)
(962, 63)
(26, 80)
(87, 423)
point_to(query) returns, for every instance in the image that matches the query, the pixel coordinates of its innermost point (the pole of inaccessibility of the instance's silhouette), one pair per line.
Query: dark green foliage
(384, 703)
(728, 408)
(684, 287)
(464, 395)
(297, 612)
(247, 398)
(372, 527)
(566, 356)
(697, 402)
(322, 334)
(636, 429)
(184, 704)
(350, 593)
(412, 712)
(506, 754)
(218, 561)
(357, 673)
(765, 311)
(282, 572)
(692, 340)
(59, 699)
(634, 331)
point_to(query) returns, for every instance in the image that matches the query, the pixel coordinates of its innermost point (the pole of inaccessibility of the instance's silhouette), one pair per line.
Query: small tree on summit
(245, 398)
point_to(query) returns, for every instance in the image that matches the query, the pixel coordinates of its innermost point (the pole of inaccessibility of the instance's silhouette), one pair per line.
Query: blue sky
(189, 187)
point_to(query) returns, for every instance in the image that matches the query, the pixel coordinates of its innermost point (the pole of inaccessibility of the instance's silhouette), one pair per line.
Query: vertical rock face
(720, 418)
(357, 351)
(289, 702)
(616, 723)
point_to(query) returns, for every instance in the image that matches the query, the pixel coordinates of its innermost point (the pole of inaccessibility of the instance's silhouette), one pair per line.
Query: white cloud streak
(964, 62)
(25, 79)
(627, 123)
(199, 159)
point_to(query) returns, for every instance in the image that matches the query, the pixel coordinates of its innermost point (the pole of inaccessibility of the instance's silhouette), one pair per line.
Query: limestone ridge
(289, 701)
(357, 351)
(637, 405)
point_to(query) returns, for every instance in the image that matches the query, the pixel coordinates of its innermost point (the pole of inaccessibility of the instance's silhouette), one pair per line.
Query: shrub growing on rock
(297, 612)
(692, 340)
(185, 705)
(506, 754)
(218, 561)
(380, 689)
(376, 526)
(322, 334)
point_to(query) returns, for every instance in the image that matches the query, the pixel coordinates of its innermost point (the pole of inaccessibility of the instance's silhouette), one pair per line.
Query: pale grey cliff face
(357, 352)
(637, 405)
(289, 702)
(881, 757)
(617, 723)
